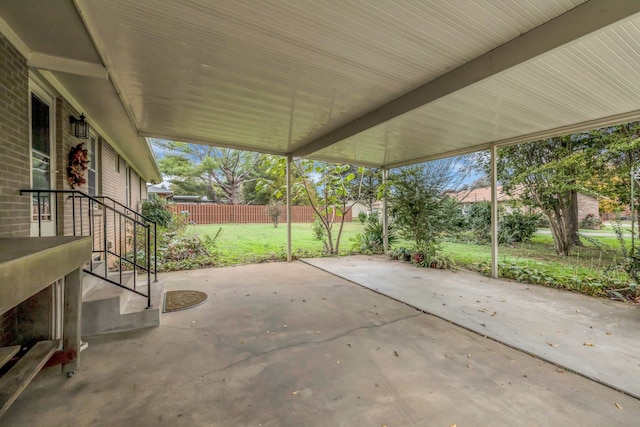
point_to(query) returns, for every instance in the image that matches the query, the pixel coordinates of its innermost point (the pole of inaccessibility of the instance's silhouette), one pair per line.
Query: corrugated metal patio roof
(381, 83)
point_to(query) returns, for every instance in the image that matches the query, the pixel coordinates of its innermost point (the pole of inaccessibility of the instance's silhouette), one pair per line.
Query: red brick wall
(14, 142)
(65, 140)
(587, 205)
(112, 171)
(14, 158)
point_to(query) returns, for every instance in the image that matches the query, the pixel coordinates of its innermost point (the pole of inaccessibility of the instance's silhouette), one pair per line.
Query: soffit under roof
(293, 76)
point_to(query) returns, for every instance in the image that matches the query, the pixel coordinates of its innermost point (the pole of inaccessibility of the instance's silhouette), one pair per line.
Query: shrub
(591, 222)
(517, 227)
(157, 210)
(419, 205)
(362, 217)
(513, 227)
(478, 219)
(598, 285)
(274, 208)
(371, 240)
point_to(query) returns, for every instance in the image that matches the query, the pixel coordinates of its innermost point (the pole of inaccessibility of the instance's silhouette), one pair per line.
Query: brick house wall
(65, 140)
(113, 172)
(14, 141)
(587, 205)
(15, 166)
(14, 158)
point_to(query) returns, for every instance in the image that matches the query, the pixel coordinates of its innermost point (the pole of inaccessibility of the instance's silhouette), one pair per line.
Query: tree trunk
(572, 219)
(560, 232)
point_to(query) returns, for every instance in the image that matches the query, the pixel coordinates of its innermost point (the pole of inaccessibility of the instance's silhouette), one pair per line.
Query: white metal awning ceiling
(373, 82)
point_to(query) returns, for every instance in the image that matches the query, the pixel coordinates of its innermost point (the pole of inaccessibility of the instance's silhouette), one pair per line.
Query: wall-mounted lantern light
(80, 127)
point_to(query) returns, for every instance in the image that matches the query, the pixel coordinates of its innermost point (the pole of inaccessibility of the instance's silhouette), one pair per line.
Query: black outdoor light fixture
(80, 127)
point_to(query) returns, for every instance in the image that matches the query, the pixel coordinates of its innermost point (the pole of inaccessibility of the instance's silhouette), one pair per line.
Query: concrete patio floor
(595, 337)
(291, 345)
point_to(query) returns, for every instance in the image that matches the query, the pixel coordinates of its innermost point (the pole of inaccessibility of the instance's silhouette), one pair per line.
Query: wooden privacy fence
(242, 214)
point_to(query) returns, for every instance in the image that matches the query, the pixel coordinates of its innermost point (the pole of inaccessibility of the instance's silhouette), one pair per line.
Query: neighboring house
(176, 198)
(586, 204)
(469, 197)
(359, 207)
(159, 191)
(37, 136)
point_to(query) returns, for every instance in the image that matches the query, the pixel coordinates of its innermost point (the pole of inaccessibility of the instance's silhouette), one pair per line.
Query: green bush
(362, 217)
(371, 240)
(596, 286)
(591, 222)
(478, 220)
(517, 227)
(513, 227)
(157, 211)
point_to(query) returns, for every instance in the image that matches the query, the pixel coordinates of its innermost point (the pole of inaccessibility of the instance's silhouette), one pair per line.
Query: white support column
(288, 207)
(385, 218)
(494, 211)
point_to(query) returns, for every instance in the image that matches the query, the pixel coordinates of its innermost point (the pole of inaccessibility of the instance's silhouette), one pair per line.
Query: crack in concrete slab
(310, 343)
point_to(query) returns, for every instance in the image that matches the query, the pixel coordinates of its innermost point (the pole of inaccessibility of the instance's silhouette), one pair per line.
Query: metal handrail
(148, 220)
(94, 204)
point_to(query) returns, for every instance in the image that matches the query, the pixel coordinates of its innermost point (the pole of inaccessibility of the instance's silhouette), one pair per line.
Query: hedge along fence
(242, 214)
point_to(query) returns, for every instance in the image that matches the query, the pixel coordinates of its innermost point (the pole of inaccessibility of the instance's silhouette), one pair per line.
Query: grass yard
(592, 259)
(251, 243)
(591, 269)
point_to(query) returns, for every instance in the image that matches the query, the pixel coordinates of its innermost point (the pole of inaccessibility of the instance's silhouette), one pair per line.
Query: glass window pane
(40, 126)
(92, 182)
(44, 207)
(40, 171)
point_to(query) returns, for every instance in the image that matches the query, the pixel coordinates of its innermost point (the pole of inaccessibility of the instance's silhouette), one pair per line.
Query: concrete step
(107, 308)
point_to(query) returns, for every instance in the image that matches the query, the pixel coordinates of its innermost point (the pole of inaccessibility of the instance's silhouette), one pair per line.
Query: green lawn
(248, 243)
(600, 255)
(592, 269)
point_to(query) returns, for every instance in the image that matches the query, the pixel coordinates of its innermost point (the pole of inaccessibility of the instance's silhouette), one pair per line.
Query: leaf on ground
(552, 344)
(396, 353)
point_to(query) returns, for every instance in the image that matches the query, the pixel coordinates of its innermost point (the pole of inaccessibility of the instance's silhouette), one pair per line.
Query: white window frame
(93, 166)
(47, 225)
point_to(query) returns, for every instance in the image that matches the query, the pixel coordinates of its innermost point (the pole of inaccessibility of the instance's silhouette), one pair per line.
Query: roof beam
(56, 63)
(537, 136)
(211, 142)
(594, 15)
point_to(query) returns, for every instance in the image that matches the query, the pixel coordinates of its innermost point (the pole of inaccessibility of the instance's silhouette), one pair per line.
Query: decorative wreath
(78, 163)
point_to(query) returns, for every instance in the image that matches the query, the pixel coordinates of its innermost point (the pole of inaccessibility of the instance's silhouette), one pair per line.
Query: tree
(548, 175)
(371, 182)
(272, 183)
(223, 170)
(419, 204)
(331, 190)
(620, 155)
(184, 177)
(481, 182)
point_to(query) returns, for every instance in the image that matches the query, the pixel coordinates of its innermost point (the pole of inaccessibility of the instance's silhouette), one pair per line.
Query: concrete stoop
(107, 308)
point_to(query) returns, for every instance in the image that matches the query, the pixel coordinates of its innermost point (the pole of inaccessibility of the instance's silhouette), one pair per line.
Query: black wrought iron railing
(123, 240)
(128, 211)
